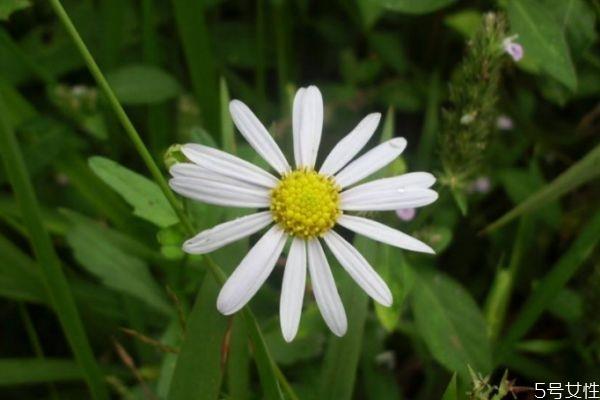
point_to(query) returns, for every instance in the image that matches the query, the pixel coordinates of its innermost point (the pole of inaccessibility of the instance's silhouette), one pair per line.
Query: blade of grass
(216, 271)
(431, 123)
(342, 356)
(260, 56)
(56, 282)
(189, 17)
(198, 372)
(227, 131)
(582, 171)
(20, 371)
(551, 284)
(238, 364)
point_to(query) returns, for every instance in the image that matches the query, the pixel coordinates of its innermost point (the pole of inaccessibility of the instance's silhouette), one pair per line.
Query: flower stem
(54, 278)
(216, 271)
(120, 113)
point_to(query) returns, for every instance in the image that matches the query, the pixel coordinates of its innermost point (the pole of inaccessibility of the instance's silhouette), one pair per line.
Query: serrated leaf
(543, 40)
(115, 267)
(450, 323)
(142, 84)
(140, 192)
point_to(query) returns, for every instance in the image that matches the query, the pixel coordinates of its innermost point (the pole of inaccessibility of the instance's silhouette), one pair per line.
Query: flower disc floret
(305, 203)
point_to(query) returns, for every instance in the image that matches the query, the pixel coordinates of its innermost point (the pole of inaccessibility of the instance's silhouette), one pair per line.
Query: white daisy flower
(303, 204)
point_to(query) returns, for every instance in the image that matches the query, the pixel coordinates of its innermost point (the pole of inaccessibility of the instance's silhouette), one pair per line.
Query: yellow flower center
(305, 203)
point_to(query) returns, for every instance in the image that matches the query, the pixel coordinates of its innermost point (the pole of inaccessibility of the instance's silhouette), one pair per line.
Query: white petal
(296, 122)
(388, 186)
(311, 125)
(390, 200)
(292, 290)
(228, 165)
(190, 170)
(326, 294)
(359, 268)
(252, 272)
(383, 233)
(223, 194)
(371, 161)
(257, 136)
(227, 232)
(351, 144)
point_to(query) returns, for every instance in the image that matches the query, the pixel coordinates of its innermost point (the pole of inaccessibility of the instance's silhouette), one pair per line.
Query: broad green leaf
(238, 362)
(140, 192)
(545, 292)
(115, 267)
(142, 84)
(415, 6)
(27, 371)
(198, 372)
(8, 7)
(583, 171)
(451, 392)
(543, 40)
(450, 323)
(342, 356)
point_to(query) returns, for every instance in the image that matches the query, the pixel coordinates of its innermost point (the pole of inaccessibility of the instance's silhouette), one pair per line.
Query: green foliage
(543, 39)
(9, 7)
(142, 84)
(98, 97)
(450, 323)
(141, 193)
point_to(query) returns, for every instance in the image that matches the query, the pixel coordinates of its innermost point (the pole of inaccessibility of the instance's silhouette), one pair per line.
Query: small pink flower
(480, 185)
(505, 123)
(512, 48)
(406, 214)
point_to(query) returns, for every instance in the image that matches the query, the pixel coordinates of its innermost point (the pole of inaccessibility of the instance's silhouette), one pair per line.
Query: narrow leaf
(22, 371)
(142, 84)
(583, 171)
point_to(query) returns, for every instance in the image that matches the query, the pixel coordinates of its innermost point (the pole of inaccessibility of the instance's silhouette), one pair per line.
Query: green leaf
(19, 277)
(465, 22)
(115, 267)
(52, 272)
(27, 371)
(415, 6)
(393, 269)
(8, 7)
(546, 291)
(198, 372)
(450, 323)
(451, 392)
(142, 84)
(583, 171)
(341, 358)
(227, 131)
(140, 192)
(543, 40)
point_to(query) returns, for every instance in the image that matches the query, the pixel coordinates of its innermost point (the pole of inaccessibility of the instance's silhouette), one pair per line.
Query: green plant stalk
(260, 55)
(120, 113)
(551, 284)
(582, 171)
(54, 277)
(254, 328)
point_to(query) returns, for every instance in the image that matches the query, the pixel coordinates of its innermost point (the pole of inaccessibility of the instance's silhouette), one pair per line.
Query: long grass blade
(56, 282)
(552, 283)
(582, 171)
